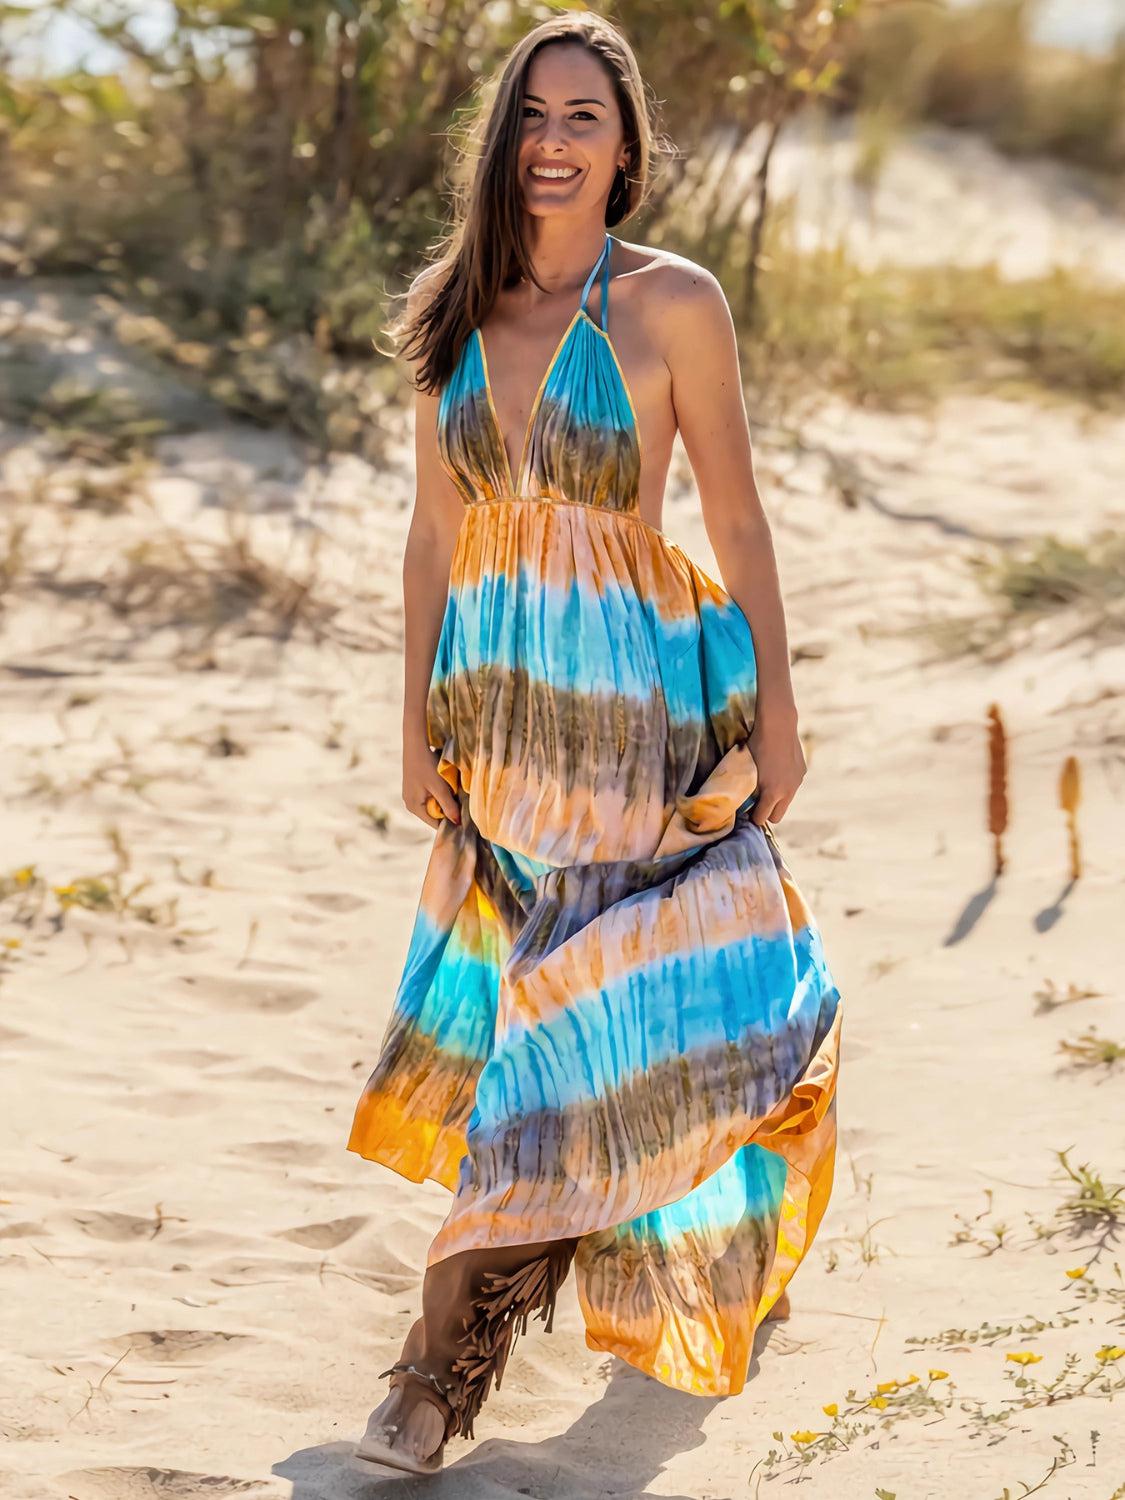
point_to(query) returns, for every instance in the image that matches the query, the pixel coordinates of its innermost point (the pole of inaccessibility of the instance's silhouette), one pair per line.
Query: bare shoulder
(677, 297)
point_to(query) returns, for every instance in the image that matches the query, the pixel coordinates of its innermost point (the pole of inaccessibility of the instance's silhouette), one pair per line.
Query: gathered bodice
(581, 442)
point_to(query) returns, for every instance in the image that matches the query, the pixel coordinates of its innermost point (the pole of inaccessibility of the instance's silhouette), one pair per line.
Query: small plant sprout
(987, 1334)
(899, 1399)
(1091, 1050)
(1097, 1207)
(1049, 997)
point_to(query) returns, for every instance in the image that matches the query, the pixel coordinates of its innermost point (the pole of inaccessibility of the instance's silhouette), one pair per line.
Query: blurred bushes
(892, 336)
(294, 155)
(263, 180)
(977, 67)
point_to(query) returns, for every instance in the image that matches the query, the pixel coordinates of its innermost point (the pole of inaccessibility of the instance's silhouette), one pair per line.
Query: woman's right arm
(436, 519)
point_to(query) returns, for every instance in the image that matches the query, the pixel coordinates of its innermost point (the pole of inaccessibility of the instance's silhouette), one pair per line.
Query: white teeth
(560, 172)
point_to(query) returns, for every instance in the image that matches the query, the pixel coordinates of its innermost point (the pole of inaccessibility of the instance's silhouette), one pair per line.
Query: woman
(616, 1038)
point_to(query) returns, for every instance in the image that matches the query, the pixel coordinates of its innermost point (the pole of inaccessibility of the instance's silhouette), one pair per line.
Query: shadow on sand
(971, 913)
(1046, 919)
(977, 904)
(585, 1462)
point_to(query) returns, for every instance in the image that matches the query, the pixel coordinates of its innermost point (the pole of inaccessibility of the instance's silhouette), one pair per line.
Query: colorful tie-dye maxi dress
(615, 1019)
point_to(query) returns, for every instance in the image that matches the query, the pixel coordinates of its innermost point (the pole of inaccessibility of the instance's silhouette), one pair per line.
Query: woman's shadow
(617, 1446)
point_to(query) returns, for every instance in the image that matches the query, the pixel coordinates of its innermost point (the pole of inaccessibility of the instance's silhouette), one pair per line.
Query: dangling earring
(618, 195)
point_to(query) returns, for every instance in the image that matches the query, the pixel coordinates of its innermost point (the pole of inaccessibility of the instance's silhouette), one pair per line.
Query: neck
(562, 256)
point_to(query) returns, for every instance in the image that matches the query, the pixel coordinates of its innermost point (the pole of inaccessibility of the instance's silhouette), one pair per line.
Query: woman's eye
(581, 114)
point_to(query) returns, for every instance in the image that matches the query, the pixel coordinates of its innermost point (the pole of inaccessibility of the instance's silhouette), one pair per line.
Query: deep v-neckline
(529, 428)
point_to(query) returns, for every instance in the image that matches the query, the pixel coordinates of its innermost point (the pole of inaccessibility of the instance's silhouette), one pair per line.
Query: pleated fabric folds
(615, 1019)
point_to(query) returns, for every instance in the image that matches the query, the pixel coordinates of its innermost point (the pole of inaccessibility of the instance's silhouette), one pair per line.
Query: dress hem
(797, 1118)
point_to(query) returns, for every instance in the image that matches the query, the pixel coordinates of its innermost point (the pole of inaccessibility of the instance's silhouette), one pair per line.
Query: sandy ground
(198, 1283)
(940, 197)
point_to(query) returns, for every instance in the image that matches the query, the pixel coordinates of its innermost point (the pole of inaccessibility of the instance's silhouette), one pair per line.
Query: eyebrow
(566, 102)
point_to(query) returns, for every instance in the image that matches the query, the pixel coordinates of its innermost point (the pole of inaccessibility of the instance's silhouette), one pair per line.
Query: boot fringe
(500, 1312)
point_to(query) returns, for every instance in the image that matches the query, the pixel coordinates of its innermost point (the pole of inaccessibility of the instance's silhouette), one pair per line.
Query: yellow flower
(887, 1385)
(1108, 1352)
(25, 876)
(1078, 1271)
(879, 1402)
(831, 1409)
(1023, 1357)
(804, 1437)
(910, 1379)
(13, 942)
(938, 1374)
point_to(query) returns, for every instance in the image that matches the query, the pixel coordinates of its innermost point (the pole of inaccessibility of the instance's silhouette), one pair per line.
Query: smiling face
(571, 135)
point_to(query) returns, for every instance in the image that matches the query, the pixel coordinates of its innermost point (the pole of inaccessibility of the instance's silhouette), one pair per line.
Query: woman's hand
(421, 783)
(776, 748)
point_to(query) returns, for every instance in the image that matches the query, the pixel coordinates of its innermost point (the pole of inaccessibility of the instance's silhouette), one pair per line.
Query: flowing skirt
(615, 1019)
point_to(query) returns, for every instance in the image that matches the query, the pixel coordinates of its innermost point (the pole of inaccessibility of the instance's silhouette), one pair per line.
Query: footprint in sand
(170, 1102)
(269, 995)
(284, 1153)
(21, 1231)
(271, 1074)
(173, 1345)
(195, 1058)
(335, 900)
(172, 1484)
(324, 1236)
(381, 1268)
(9, 1037)
(367, 1257)
(117, 1228)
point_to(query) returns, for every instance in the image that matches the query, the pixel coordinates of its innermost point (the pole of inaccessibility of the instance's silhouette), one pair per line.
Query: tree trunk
(758, 228)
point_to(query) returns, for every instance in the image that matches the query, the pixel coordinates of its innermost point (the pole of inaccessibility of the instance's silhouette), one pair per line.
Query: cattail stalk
(1070, 794)
(997, 785)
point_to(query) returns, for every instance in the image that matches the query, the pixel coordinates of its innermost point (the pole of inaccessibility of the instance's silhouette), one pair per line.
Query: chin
(541, 210)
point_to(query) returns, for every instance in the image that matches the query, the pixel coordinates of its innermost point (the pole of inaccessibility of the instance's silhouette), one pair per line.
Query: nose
(553, 138)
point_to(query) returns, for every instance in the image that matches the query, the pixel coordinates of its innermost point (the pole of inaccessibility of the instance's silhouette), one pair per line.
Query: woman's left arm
(701, 351)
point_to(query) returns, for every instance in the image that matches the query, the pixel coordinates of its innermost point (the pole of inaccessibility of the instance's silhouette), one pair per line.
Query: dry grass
(93, 423)
(1096, 1209)
(1053, 574)
(106, 893)
(1049, 996)
(13, 553)
(1093, 1051)
(1083, 580)
(182, 580)
(904, 336)
(234, 582)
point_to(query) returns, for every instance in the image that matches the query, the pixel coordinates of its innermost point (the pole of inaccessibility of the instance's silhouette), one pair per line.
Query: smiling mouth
(553, 174)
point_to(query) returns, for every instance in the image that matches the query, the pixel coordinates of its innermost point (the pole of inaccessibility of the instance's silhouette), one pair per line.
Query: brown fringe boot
(500, 1304)
(500, 1311)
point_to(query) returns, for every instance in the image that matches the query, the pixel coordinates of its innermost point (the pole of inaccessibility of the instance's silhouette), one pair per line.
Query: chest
(570, 434)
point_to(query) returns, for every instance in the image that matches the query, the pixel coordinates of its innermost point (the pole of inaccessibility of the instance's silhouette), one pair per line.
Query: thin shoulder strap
(603, 261)
(605, 280)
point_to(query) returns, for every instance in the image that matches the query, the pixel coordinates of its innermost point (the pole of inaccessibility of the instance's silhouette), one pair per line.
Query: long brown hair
(483, 250)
